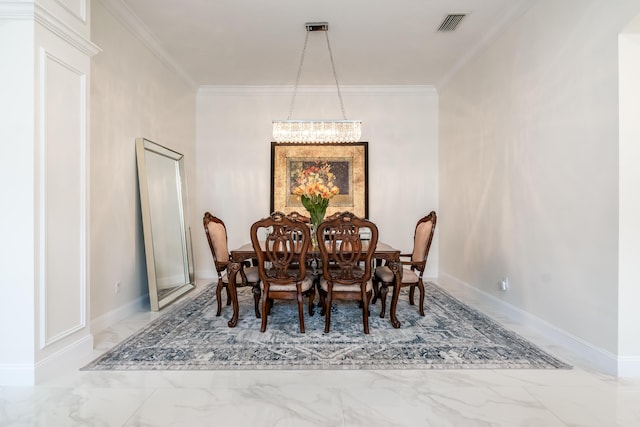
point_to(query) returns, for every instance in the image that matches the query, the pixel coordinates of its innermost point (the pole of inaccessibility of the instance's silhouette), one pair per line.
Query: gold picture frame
(348, 161)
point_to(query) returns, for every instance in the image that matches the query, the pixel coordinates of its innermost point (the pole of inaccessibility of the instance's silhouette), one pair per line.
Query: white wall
(133, 94)
(44, 249)
(629, 246)
(233, 156)
(529, 167)
(17, 188)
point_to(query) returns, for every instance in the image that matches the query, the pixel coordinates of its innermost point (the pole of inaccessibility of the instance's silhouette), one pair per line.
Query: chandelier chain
(299, 75)
(335, 75)
(316, 131)
(295, 88)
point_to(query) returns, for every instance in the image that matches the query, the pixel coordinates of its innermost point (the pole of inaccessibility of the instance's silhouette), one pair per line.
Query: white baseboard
(106, 320)
(596, 358)
(70, 357)
(66, 359)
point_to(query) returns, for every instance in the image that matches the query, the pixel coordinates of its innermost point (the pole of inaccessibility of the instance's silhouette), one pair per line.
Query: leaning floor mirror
(167, 236)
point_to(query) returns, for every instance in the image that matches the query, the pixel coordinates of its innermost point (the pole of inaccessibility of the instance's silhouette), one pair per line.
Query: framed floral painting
(338, 172)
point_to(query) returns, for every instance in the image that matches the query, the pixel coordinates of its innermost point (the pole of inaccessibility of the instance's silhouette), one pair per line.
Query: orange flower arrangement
(315, 185)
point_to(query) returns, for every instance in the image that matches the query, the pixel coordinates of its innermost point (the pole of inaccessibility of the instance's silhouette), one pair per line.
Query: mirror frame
(143, 146)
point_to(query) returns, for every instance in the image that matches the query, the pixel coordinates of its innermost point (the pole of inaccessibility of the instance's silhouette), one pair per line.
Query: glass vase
(315, 223)
(317, 208)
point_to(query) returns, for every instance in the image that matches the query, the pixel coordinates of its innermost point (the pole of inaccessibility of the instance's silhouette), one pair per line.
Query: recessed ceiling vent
(451, 22)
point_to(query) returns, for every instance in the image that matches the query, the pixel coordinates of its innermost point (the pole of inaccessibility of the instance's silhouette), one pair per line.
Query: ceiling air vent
(450, 22)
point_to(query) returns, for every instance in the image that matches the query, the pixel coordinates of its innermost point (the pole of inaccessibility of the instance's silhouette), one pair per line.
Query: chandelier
(309, 131)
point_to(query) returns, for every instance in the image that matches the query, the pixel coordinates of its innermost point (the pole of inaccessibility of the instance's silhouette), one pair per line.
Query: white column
(629, 222)
(43, 251)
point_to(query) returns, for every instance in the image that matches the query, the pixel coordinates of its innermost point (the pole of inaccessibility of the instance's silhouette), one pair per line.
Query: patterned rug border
(110, 361)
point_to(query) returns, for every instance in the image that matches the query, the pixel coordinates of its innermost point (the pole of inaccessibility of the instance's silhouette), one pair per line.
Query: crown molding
(65, 32)
(35, 12)
(287, 90)
(135, 26)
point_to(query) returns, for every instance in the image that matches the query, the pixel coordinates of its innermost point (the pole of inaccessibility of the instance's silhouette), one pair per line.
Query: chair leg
(265, 311)
(300, 312)
(218, 296)
(421, 302)
(228, 295)
(312, 297)
(376, 291)
(256, 298)
(365, 310)
(412, 290)
(383, 299)
(327, 310)
(323, 302)
(269, 306)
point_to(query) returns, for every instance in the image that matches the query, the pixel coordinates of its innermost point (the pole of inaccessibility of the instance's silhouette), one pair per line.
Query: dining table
(383, 252)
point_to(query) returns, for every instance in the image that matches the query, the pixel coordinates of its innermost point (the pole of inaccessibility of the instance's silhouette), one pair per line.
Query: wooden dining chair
(346, 263)
(299, 217)
(216, 233)
(282, 262)
(413, 265)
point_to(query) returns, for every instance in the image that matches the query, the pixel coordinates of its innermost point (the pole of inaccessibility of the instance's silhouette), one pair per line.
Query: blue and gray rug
(451, 336)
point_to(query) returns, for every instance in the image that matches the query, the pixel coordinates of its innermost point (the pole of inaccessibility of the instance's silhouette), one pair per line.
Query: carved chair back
(284, 249)
(346, 258)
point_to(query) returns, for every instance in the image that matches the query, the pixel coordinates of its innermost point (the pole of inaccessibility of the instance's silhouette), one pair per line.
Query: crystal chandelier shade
(308, 131)
(318, 131)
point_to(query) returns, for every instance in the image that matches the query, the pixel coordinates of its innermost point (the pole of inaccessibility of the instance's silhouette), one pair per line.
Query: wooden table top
(381, 249)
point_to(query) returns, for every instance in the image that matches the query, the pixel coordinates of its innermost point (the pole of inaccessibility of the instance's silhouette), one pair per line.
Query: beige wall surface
(529, 167)
(133, 94)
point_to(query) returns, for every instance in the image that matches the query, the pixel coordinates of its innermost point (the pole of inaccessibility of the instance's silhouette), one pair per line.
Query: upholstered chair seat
(385, 274)
(305, 285)
(251, 273)
(324, 285)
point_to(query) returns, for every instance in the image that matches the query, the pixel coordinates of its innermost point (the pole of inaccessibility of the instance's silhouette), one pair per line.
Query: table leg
(232, 271)
(396, 267)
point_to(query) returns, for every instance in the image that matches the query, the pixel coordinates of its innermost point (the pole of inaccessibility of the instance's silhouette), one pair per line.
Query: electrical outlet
(117, 287)
(504, 284)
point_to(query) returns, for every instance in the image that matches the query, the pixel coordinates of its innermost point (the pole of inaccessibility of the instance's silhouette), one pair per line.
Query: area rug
(452, 335)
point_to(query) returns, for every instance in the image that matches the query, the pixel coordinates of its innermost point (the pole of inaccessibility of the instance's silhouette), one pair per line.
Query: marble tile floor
(507, 397)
